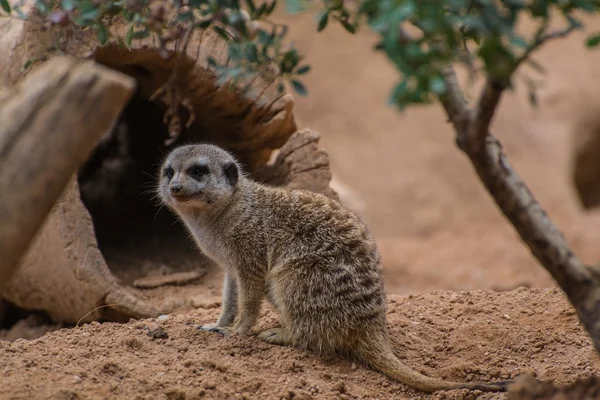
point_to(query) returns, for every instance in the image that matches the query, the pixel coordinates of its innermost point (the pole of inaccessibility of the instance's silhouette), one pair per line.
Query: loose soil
(467, 300)
(471, 336)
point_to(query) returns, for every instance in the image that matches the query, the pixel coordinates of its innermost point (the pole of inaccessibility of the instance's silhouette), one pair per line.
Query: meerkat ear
(231, 172)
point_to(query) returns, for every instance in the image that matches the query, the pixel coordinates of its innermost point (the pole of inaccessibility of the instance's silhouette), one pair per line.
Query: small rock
(507, 317)
(158, 333)
(455, 298)
(210, 385)
(76, 379)
(162, 317)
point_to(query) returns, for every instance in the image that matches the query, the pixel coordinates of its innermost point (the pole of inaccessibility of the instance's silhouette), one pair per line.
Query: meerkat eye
(169, 172)
(197, 171)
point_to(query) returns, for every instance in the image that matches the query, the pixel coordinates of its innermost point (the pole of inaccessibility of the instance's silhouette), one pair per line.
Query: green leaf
(101, 33)
(251, 6)
(299, 87)
(204, 24)
(593, 40)
(127, 15)
(185, 16)
(5, 6)
(271, 7)
(294, 6)
(398, 96)
(303, 70)
(141, 34)
(259, 11)
(348, 26)
(221, 32)
(235, 51)
(90, 14)
(437, 85)
(264, 37)
(129, 36)
(515, 4)
(251, 53)
(41, 6)
(519, 41)
(539, 8)
(27, 64)
(322, 19)
(67, 5)
(574, 22)
(20, 13)
(405, 11)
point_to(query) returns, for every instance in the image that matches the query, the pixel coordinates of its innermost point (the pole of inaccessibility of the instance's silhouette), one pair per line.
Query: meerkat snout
(175, 187)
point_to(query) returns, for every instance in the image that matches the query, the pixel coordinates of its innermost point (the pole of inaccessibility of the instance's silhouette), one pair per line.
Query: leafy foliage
(256, 44)
(420, 37)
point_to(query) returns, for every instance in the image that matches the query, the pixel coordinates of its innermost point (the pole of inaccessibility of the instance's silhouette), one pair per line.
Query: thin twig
(96, 309)
(493, 89)
(542, 38)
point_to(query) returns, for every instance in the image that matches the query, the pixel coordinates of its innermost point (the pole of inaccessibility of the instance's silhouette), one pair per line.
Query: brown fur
(313, 259)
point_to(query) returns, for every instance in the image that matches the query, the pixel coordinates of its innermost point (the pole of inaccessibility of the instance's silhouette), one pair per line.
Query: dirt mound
(479, 335)
(527, 388)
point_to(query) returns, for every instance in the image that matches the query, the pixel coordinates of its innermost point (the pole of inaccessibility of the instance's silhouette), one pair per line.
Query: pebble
(158, 333)
(507, 317)
(162, 317)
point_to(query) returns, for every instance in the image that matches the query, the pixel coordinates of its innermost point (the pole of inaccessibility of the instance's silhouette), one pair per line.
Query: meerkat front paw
(275, 336)
(216, 328)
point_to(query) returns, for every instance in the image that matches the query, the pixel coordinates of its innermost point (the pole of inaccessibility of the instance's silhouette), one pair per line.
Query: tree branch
(460, 114)
(541, 38)
(518, 204)
(493, 89)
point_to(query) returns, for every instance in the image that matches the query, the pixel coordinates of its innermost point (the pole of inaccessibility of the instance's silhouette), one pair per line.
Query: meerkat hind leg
(277, 336)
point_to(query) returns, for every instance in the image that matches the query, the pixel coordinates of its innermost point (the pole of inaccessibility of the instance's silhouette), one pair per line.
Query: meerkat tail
(383, 359)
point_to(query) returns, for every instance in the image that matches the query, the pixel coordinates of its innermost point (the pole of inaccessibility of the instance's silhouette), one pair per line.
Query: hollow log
(71, 268)
(49, 124)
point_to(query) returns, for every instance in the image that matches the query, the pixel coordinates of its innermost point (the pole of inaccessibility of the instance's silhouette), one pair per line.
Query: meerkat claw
(274, 336)
(221, 330)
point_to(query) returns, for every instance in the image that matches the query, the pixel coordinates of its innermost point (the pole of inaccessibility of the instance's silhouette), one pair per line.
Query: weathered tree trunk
(48, 126)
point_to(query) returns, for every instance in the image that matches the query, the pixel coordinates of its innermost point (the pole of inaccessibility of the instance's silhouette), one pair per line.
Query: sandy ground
(438, 232)
(473, 336)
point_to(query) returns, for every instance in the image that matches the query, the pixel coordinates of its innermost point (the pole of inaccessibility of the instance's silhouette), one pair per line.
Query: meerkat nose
(175, 187)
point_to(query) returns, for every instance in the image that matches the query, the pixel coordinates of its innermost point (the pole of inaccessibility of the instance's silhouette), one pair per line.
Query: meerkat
(314, 260)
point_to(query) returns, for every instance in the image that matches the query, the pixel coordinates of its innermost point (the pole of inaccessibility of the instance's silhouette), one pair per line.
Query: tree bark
(518, 204)
(49, 124)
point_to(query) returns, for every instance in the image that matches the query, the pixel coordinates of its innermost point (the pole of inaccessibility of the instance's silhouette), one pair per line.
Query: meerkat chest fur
(235, 235)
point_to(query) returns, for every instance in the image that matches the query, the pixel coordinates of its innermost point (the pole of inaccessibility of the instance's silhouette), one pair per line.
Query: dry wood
(48, 126)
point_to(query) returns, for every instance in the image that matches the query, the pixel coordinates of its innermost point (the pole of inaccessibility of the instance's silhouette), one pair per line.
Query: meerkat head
(198, 176)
